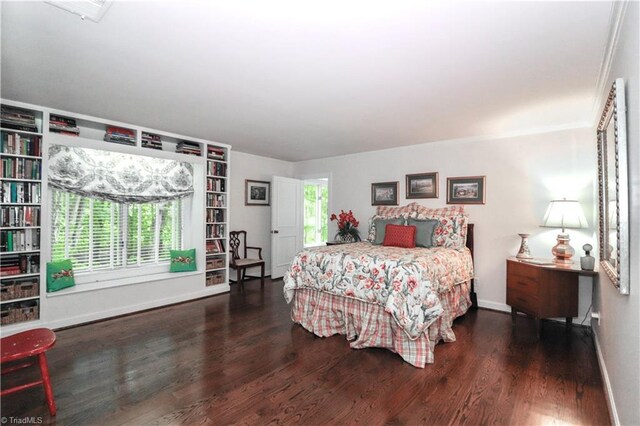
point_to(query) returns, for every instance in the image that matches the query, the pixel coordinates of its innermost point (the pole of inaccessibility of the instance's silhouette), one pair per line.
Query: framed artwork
(466, 190)
(256, 192)
(613, 189)
(422, 185)
(384, 194)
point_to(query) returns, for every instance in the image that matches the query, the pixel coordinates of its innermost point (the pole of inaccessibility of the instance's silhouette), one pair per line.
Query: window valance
(122, 178)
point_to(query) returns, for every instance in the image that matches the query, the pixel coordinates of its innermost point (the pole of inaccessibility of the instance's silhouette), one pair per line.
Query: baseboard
(613, 413)
(96, 316)
(494, 306)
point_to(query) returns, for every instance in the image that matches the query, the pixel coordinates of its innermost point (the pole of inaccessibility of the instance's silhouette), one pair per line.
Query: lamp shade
(564, 214)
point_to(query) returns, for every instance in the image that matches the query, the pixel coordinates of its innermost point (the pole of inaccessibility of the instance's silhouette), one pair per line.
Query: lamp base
(562, 251)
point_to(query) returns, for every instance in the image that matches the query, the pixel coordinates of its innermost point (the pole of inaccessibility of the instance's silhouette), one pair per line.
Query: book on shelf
(215, 247)
(20, 192)
(17, 144)
(63, 125)
(216, 184)
(215, 215)
(215, 200)
(216, 169)
(215, 153)
(17, 216)
(120, 135)
(214, 231)
(190, 148)
(20, 240)
(150, 140)
(20, 168)
(18, 119)
(17, 264)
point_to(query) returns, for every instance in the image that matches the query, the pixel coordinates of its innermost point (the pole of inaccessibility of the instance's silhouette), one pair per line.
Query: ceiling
(298, 80)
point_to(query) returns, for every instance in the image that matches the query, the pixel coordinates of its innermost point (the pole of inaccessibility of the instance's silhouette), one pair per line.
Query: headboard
(474, 297)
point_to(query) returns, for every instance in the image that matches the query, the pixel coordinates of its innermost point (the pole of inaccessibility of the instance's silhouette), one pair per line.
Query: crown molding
(618, 10)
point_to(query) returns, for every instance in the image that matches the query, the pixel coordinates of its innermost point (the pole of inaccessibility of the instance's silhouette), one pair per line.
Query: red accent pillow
(400, 236)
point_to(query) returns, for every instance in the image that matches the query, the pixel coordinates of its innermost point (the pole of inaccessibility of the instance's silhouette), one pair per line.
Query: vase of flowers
(347, 226)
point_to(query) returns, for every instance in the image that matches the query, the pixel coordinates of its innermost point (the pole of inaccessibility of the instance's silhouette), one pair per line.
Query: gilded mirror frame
(613, 189)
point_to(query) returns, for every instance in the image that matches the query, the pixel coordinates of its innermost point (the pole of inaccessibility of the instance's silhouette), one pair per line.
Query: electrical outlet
(596, 315)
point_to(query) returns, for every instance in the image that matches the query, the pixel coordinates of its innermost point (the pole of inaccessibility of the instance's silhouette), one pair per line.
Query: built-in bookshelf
(20, 213)
(216, 214)
(27, 132)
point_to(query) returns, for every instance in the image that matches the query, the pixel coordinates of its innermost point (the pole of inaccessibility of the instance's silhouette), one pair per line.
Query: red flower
(347, 224)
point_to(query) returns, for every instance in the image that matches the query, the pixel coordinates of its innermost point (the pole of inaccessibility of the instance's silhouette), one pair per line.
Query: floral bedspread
(406, 282)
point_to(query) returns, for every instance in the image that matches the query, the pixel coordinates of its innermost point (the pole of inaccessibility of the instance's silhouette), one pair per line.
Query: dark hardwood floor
(238, 358)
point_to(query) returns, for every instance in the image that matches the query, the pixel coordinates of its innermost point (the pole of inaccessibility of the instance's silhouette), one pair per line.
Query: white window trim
(192, 213)
(140, 279)
(318, 182)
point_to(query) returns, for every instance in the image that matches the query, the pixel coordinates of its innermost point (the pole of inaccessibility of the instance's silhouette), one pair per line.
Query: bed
(401, 299)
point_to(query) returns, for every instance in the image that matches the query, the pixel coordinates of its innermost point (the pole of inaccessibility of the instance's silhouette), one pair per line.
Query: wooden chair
(238, 241)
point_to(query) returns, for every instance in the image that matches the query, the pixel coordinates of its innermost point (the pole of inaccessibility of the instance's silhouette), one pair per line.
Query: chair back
(237, 242)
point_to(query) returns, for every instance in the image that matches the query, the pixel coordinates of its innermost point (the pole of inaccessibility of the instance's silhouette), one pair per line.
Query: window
(316, 200)
(103, 235)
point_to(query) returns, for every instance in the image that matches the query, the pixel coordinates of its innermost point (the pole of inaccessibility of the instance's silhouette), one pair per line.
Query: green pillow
(424, 231)
(59, 275)
(380, 225)
(183, 260)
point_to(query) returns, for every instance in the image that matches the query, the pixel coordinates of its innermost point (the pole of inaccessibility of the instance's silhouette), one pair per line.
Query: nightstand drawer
(522, 300)
(522, 284)
(522, 270)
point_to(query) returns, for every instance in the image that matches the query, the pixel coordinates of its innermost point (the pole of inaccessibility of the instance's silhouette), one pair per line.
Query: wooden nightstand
(543, 291)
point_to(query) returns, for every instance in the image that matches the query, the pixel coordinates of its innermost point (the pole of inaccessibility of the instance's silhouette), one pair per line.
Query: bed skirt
(367, 325)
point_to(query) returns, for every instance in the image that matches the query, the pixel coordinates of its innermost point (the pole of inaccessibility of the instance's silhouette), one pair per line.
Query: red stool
(24, 345)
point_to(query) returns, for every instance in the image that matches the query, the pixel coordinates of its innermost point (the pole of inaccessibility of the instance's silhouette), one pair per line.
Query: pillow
(59, 275)
(400, 236)
(387, 211)
(441, 212)
(379, 227)
(182, 260)
(451, 231)
(424, 231)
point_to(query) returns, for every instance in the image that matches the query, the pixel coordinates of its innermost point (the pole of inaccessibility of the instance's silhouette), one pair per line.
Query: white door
(286, 223)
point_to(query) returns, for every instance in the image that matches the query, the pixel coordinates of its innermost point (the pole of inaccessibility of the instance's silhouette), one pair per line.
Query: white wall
(618, 334)
(523, 174)
(256, 220)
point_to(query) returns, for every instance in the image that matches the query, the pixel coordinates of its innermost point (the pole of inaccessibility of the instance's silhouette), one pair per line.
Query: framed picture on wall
(422, 185)
(256, 192)
(384, 194)
(466, 190)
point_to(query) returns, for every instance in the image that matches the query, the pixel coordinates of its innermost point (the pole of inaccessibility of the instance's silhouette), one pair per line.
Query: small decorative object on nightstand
(564, 214)
(524, 252)
(587, 262)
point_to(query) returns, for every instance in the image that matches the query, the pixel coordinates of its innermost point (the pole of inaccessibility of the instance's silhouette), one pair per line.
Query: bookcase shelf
(216, 215)
(18, 192)
(20, 207)
(22, 132)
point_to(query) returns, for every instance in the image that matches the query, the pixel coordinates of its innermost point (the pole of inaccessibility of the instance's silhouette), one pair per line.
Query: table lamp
(564, 214)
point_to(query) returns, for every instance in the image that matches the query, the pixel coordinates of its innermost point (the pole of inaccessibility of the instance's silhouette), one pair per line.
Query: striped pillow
(402, 211)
